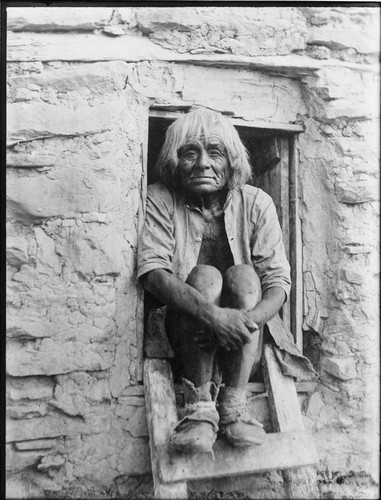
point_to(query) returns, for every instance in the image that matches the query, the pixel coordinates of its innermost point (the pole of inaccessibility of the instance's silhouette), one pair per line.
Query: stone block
(96, 250)
(72, 406)
(364, 41)
(258, 98)
(329, 417)
(79, 82)
(137, 423)
(17, 461)
(154, 19)
(31, 160)
(264, 31)
(349, 93)
(36, 444)
(49, 426)
(341, 368)
(31, 199)
(134, 457)
(38, 120)
(94, 386)
(353, 277)
(53, 358)
(47, 259)
(119, 372)
(76, 397)
(25, 95)
(30, 388)
(353, 195)
(30, 410)
(315, 406)
(40, 19)
(17, 250)
(51, 462)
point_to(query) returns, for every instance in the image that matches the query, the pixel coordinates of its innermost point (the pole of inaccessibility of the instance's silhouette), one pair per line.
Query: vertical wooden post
(139, 313)
(274, 180)
(286, 416)
(284, 211)
(296, 298)
(161, 416)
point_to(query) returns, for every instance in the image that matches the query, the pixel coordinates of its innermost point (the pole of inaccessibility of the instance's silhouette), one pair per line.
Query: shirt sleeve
(156, 243)
(268, 252)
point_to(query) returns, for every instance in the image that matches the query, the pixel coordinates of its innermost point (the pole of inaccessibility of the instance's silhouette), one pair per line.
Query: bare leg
(241, 290)
(197, 431)
(197, 364)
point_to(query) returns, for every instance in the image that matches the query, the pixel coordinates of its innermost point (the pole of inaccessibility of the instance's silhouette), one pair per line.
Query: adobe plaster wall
(80, 85)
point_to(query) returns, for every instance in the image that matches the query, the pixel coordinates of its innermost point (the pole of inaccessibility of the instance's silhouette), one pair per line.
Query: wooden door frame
(295, 304)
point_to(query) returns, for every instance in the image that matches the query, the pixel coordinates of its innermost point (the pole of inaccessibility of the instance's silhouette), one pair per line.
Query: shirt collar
(191, 205)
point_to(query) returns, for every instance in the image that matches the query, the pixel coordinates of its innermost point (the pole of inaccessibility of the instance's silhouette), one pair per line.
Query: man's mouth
(200, 178)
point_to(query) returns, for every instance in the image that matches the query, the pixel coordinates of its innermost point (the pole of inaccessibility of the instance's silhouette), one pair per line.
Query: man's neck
(208, 201)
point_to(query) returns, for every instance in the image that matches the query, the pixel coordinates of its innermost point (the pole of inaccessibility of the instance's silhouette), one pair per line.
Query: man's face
(203, 165)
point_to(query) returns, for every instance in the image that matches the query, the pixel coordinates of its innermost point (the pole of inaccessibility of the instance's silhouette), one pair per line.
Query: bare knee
(207, 280)
(241, 287)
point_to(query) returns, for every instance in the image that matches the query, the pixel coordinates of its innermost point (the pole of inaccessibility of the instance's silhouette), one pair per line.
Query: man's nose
(204, 160)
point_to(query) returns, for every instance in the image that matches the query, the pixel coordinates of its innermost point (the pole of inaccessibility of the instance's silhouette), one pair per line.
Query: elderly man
(211, 250)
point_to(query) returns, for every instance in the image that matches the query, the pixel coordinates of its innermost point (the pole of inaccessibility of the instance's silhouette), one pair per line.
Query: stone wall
(80, 85)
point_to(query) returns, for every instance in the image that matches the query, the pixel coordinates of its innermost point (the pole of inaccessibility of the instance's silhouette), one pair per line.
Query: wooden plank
(254, 387)
(161, 417)
(285, 212)
(279, 451)
(296, 298)
(157, 111)
(286, 417)
(258, 387)
(139, 288)
(275, 182)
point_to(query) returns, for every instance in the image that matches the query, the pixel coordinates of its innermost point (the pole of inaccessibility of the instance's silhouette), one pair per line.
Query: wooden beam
(158, 112)
(255, 387)
(259, 387)
(279, 451)
(161, 417)
(275, 182)
(139, 288)
(296, 255)
(286, 417)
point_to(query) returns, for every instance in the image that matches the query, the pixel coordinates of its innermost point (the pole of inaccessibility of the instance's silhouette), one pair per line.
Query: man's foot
(242, 434)
(194, 437)
(237, 425)
(197, 430)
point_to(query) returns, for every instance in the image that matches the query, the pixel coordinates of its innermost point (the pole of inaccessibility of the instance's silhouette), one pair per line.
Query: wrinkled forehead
(206, 139)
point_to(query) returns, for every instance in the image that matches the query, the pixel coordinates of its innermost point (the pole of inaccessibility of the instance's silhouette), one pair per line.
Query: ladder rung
(279, 451)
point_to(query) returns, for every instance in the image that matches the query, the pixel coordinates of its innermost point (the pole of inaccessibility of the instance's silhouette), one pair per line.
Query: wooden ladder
(289, 449)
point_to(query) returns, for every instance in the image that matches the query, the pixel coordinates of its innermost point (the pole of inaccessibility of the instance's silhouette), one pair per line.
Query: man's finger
(251, 326)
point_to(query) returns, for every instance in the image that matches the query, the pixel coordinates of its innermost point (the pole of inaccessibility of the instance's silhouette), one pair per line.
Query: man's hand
(231, 329)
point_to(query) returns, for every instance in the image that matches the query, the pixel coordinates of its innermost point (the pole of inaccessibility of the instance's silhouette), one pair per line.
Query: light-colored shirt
(173, 230)
(172, 236)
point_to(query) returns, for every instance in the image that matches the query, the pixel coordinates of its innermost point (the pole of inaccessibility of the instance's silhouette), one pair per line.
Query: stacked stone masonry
(81, 82)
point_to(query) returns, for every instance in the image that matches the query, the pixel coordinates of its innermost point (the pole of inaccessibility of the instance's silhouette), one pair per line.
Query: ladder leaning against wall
(289, 448)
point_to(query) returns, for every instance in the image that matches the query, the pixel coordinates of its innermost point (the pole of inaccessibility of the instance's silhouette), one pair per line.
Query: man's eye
(215, 152)
(189, 155)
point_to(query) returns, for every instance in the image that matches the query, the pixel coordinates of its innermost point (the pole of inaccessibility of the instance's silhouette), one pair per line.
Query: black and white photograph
(192, 240)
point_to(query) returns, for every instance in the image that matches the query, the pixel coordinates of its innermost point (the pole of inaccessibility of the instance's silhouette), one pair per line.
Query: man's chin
(203, 187)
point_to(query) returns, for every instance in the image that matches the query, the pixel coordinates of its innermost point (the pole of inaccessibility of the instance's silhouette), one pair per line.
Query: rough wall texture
(80, 85)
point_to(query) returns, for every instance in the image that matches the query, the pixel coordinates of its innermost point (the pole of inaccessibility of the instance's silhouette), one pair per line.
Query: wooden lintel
(279, 451)
(159, 112)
